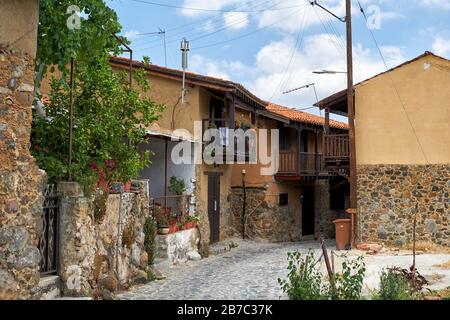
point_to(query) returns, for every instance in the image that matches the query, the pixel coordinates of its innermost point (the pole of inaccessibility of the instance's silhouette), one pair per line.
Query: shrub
(349, 283)
(393, 286)
(150, 236)
(303, 281)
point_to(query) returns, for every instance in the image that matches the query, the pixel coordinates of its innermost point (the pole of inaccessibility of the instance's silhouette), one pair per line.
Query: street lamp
(329, 72)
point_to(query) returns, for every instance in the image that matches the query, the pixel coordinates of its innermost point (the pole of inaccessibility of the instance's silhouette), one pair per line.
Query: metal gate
(48, 242)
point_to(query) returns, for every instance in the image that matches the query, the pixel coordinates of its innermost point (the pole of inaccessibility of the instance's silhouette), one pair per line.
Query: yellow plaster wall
(383, 132)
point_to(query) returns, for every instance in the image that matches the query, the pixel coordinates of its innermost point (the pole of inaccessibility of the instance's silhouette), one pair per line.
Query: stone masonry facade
(268, 221)
(104, 252)
(21, 182)
(387, 197)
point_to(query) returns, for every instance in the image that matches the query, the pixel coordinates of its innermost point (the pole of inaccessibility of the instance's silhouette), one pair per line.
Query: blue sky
(282, 41)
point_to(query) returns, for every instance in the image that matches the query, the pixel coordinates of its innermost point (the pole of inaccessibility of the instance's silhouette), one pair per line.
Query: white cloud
(441, 46)
(439, 4)
(264, 76)
(306, 15)
(132, 34)
(236, 21)
(209, 5)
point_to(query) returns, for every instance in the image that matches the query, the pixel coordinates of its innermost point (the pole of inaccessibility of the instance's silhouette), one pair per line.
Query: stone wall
(21, 183)
(387, 197)
(265, 221)
(178, 247)
(101, 252)
(324, 216)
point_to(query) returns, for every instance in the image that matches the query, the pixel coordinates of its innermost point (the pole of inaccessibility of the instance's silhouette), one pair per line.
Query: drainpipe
(244, 203)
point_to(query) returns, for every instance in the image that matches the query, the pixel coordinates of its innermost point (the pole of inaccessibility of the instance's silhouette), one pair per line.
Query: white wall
(155, 171)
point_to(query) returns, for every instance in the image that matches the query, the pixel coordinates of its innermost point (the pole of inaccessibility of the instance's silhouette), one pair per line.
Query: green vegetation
(305, 282)
(150, 229)
(109, 117)
(394, 286)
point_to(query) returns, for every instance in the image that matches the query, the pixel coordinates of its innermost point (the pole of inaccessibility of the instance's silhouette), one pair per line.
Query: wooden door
(214, 207)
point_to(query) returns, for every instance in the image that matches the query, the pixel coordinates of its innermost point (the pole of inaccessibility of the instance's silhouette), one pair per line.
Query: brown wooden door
(214, 207)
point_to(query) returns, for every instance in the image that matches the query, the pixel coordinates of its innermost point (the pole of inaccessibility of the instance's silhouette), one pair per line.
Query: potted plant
(177, 187)
(161, 221)
(190, 221)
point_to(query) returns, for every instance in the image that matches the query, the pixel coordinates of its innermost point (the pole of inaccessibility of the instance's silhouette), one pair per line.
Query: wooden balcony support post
(231, 112)
(299, 147)
(316, 151)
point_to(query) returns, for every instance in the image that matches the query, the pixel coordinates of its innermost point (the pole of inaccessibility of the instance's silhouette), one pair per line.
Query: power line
(393, 83)
(217, 20)
(299, 40)
(246, 34)
(211, 10)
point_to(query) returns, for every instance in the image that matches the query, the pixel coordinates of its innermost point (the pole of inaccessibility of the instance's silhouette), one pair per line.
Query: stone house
(215, 189)
(209, 103)
(402, 151)
(301, 200)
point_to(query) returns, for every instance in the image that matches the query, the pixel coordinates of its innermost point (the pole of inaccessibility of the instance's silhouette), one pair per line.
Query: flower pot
(163, 231)
(173, 228)
(189, 225)
(127, 186)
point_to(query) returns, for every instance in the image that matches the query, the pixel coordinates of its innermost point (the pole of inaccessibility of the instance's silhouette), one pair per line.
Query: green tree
(109, 116)
(57, 43)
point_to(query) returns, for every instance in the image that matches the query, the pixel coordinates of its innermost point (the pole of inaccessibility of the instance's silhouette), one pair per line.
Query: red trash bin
(342, 233)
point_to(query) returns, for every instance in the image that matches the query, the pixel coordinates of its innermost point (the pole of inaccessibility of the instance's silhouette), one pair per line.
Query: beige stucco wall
(18, 24)
(383, 132)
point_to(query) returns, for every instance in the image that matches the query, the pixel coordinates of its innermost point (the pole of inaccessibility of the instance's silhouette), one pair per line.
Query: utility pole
(351, 105)
(350, 94)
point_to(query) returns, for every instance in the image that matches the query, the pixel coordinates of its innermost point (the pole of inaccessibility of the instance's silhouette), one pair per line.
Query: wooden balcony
(336, 149)
(223, 127)
(304, 164)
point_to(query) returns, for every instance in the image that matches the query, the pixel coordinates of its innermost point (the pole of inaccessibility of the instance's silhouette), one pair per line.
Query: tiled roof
(192, 77)
(304, 117)
(289, 113)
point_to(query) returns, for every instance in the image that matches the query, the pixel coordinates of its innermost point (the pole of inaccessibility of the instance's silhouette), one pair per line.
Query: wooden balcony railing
(288, 163)
(308, 164)
(336, 148)
(222, 126)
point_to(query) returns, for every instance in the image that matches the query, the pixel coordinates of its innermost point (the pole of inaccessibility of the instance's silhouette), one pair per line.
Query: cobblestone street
(251, 272)
(247, 272)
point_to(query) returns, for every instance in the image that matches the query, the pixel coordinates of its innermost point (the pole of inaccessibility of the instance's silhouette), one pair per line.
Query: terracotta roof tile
(304, 117)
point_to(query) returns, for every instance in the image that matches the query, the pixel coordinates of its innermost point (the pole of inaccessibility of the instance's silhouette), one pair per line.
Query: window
(285, 138)
(284, 199)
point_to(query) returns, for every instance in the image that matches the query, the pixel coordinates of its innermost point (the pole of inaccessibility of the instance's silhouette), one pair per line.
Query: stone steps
(49, 287)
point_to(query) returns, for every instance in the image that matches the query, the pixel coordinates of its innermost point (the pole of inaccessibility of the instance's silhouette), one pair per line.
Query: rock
(158, 275)
(107, 295)
(15, 239)
(233, 244)
(140, 277)
(24, 87)
(28, 259)
(12, 83)
(143, 261)
(194, 256)
(7, 285)
(109, 282)
(5, 91)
